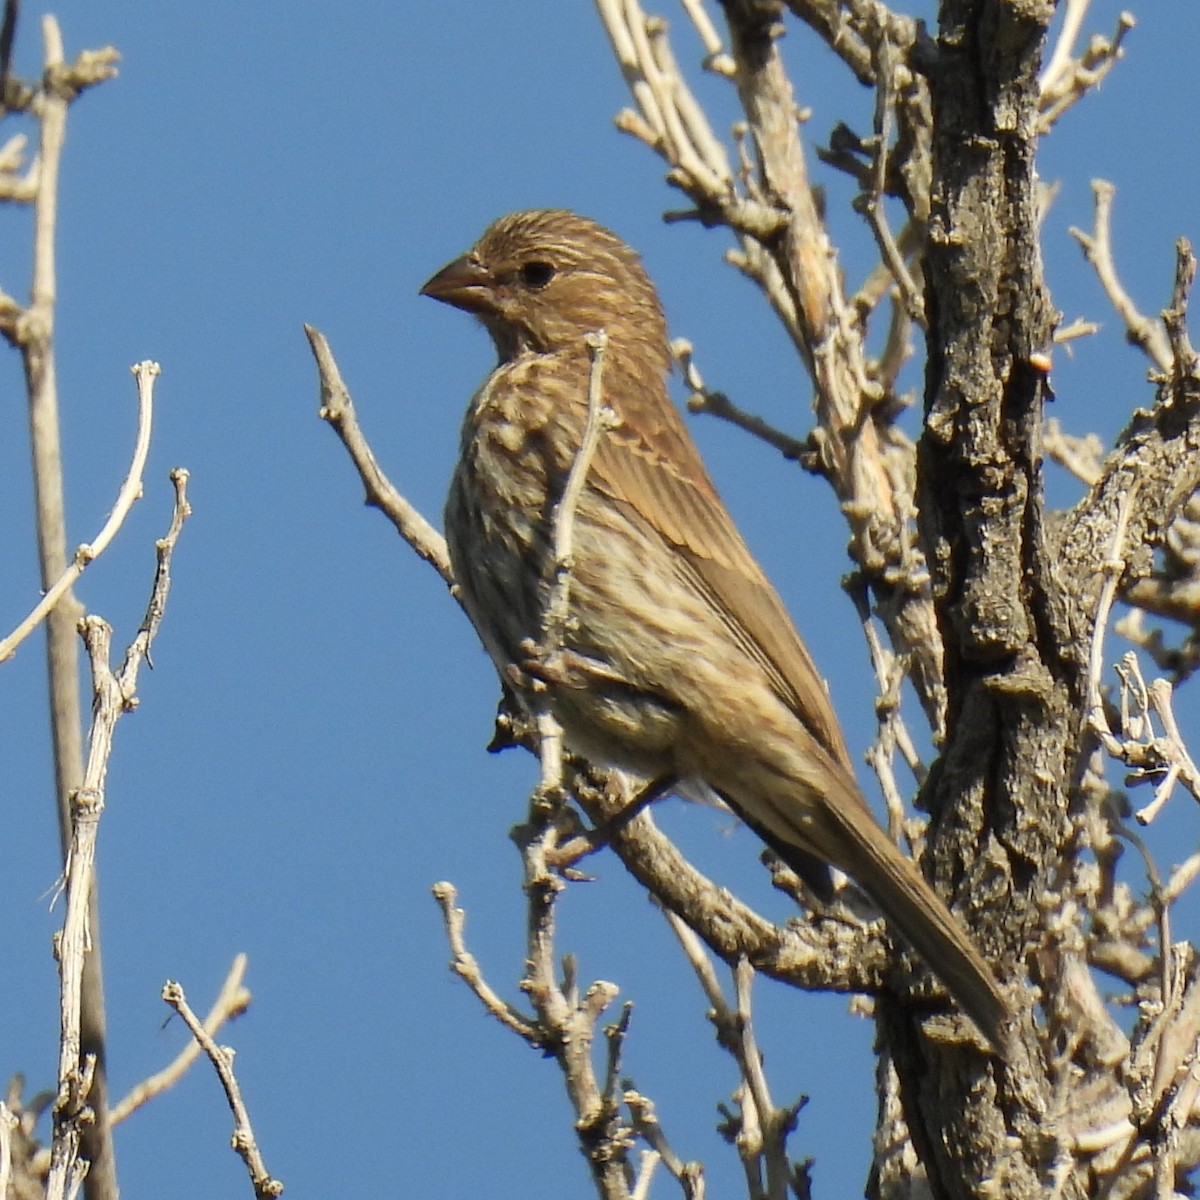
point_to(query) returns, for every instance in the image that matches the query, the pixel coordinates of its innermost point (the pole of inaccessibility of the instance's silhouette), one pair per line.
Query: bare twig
(338, 409)
(599, 418)
(1097, 249)
(266, 1187)
(1162, 758)
(891, 732)
(717, 57)
(669, 114)
(1081, 456)
(86, 554)
(1079, 328)
(672, 122)
(717, 404)
(1067, 79)
(76, 1071)
(31, 329)
(1113, 568)
(232, 1000)
(645, 1122)
(566, 1020)
(1184, 360)
(884, 60)
(34, 334)
(1060, 62)
(1180, 768)
(466, 967)
(114, 694)
(558, 605)
(648, 1162)
(762, 1129)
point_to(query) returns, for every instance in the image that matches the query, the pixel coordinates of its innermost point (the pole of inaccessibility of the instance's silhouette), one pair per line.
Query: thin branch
(761, 1128)
(1066, 79)
(872, 203)
(266, 1187)
(717, 58)
(1181, 767)
(717, 404)
(1064, 335)
(613, 14)
(564, 1024)
(891, 732)
(545, 655)
(338, 409)
(554, 623)
(232, 1000)
(645, 1122)
(1097, 249)
(1060, 62)
(648, 1162)
(1184, 360)
(114, 694)
(672, 122)
(34, 334)
(1082, 456)
(76, 1072)
(1113, 567)
(566, 1021)
(32, 331)
(130, 492)
(1164, 758)
(466, 967)
(842, 35)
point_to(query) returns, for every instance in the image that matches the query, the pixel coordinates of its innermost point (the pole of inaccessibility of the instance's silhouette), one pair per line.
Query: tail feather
(839, 829)
(801, 798)
(919, 915)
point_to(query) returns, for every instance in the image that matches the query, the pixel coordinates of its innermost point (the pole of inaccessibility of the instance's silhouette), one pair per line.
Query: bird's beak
(464, 283)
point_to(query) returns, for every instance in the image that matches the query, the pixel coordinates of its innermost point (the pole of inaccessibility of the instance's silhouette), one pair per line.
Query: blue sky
(308, 755)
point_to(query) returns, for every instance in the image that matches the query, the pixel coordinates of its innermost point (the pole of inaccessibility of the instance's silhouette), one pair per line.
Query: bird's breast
(520, 438)
(498, 511)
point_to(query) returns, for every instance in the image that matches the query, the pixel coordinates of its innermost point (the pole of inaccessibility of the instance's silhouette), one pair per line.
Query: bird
(679, 663)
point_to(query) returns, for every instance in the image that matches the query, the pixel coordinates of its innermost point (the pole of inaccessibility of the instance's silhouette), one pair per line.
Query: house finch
(679, 663)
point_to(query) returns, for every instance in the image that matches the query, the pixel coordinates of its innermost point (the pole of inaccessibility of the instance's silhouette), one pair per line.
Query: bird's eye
(536, 274)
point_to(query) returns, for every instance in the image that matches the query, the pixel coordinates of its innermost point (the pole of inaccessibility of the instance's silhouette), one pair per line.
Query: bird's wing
(649, 461)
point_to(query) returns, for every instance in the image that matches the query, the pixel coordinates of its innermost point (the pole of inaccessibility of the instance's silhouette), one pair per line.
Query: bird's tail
(862, 849)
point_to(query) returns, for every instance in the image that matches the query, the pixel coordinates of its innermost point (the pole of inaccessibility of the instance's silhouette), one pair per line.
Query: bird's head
(542, 280)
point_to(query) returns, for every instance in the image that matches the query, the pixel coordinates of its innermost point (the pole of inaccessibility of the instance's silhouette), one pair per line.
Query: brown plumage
(683, 662)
